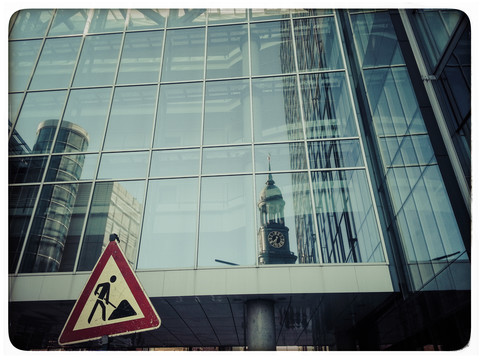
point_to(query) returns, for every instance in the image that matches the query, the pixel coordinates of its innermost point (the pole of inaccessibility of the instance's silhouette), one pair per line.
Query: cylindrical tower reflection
(54, 211)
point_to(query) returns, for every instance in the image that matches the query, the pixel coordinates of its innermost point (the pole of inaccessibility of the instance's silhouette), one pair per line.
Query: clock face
(276, 239)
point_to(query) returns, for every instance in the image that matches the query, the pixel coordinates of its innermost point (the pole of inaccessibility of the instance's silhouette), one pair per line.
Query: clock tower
(274, 247)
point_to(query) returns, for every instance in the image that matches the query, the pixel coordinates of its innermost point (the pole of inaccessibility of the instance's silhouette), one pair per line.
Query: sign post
(112, 303)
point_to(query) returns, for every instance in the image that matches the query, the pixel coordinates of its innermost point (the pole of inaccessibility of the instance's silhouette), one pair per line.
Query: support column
(260, 325)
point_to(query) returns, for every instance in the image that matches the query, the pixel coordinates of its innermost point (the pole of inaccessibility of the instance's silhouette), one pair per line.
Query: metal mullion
(202, 127)
(307, 156)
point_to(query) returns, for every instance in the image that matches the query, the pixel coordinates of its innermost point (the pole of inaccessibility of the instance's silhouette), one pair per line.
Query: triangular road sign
(112, 302)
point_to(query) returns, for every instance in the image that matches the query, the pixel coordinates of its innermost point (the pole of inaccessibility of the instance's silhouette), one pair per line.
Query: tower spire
(270, 177)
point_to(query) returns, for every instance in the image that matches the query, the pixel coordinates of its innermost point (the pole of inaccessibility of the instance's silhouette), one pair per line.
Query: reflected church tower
(274, 246)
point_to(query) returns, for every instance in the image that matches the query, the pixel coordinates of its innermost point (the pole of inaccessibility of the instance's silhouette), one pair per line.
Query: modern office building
(278, 178)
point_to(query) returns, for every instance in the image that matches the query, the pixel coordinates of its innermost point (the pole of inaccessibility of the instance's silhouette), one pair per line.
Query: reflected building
(158, 123)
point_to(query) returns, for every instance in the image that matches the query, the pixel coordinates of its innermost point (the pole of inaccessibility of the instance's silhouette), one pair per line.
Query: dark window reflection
(20, 207)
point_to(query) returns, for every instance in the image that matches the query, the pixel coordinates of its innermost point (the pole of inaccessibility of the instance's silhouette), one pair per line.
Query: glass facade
(183, 114)
(196, 134)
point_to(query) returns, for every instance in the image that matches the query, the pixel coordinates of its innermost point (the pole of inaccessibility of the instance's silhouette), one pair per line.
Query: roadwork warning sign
(112, 302)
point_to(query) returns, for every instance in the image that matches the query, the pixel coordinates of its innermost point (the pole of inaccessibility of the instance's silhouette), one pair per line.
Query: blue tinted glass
(123, 165)
(289, 156)
(31, 23)
(175, 162)
(131, 119)
(147, 19)
(68, 22)
(22, 56)
(224, 160)
(186, 17)
(219, 16)
(335, 154)
(56, 63)
(170, 224)
(327, 106)
(108, 20)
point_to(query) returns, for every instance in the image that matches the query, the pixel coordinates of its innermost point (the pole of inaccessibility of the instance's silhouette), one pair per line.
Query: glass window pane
(186, 17)
(108, 20)
(184, 55)
(140, 58)
(335, 154)
(98, 61)
(170, 224)
(14, 101)
(87, 109)
(131, 118)
(282, 157)
(220, 16)
(227, 52)
(317, 44)
(36, 110)
(224, 160)
(21, 200)
(272, 48)
(147, 19)
(311, 12)
(175, 162)
(260, 14)
(56, 63)
(31, 23)
(297, 217)
(179, 115)
(227, 112)
(347, 224)
(72, 167)
(327, 106)
(50, 228)
(116, 209)
(26, 169)
(276, 109)
(226, 221)
(21, 58)
(123, 165)
(69, 22)
(376, 40)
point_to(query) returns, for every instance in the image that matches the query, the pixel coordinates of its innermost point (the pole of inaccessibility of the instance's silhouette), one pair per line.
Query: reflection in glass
(184, 55)
(297, 211)
(124, 165)
(84, 165)
(276, 109)
(272, 48)
(327, 106)
(317, 44)
(50, 226)
(56, 63)
(227, 51)
(224, 160)
(131, 118)
(392, 101)
(175, 162)
(346, 220)
(226, 221)
(14, 101)
(108, 20)
(335, 154)
(376, 40)
(21, 200)
(289, 156)
(38, 107)
(407, 150)
(227, 112)
(116, 209)
(26, 169)
(220, 16)
(87, 109)
(68, 22)
(170, 224)
(260, 14)
(179, 115)
(22, 56)
(311, 12)
(31, 23)
(140, 61)
(147, 19)
(186, 17)
(91, 71)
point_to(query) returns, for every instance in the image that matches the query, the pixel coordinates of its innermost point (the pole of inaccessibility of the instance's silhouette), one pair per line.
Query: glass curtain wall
(170, 127)
(429, 233)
